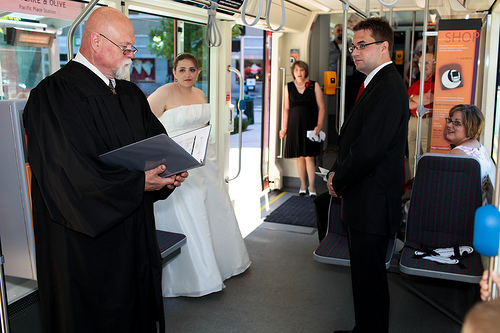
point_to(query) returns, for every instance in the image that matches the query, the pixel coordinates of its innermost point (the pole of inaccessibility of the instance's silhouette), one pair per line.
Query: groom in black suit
(368, 171)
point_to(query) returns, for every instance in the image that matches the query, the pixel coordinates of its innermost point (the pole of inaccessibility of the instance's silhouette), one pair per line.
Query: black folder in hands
(179, 153)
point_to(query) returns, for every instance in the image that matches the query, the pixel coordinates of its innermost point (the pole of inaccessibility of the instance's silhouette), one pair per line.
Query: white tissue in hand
(316, 138)
(322, 173)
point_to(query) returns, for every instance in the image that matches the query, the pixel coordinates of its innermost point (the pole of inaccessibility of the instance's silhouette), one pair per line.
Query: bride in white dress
(201, 208)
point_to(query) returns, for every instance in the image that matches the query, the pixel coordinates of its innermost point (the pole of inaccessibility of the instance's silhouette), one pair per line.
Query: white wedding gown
(200, 209)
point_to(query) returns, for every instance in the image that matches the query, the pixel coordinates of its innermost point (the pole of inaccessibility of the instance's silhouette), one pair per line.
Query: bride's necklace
(298, 85)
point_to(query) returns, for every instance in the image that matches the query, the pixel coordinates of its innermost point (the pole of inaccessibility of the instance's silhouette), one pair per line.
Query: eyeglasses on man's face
(454, 122)
(125, 51)
(362, 46)
(430, 62)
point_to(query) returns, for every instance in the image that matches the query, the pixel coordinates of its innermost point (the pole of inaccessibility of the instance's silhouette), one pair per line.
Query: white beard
(123, 70)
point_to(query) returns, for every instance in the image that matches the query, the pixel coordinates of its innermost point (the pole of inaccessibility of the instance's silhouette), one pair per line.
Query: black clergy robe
(97, 258)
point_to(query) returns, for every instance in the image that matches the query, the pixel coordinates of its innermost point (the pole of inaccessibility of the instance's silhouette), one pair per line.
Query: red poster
(456, 73)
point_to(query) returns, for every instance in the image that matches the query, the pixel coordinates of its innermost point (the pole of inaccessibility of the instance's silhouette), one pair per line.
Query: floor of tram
(285, 290)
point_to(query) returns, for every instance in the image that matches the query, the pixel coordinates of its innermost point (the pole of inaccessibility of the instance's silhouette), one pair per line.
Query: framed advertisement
(456, 73)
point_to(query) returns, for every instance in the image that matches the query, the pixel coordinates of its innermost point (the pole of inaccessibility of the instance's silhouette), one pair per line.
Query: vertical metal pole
(421, 109)
(496, 194)
(345, 8)
(492, 266)
(283, 72)
(242, 59)
(174, 42)
(179, 33)
(3, 293)
(240, 120)
(78, 20)
(496, 201)
(412, 48)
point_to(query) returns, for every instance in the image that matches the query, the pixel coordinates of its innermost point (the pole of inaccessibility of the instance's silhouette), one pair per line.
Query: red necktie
(360, 90)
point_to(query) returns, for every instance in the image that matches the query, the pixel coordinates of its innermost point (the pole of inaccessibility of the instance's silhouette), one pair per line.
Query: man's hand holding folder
(155, 182)
(162, 156)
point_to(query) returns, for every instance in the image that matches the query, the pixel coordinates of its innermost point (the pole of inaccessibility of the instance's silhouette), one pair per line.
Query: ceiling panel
(401, 5)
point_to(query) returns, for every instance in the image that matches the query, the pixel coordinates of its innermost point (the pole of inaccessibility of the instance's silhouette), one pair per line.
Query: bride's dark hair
(186, 56)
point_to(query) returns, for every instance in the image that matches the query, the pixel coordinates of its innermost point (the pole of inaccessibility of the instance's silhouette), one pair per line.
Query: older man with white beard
(98, 261)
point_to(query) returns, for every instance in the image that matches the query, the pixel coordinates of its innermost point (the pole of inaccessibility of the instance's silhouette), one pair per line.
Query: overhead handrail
(356, 9)
(240, 121)
(283, 15)
(391, 7)
(244, 10)
(219, 6)
(212, 29)
(392, 4)
(283, 70)
(78, 20)
(259, 13)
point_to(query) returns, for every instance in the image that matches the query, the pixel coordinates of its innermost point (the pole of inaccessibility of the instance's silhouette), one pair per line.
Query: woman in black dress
(304, 111)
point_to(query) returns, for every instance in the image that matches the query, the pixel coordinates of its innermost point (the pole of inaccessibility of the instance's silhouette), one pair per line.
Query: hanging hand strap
(212, 34)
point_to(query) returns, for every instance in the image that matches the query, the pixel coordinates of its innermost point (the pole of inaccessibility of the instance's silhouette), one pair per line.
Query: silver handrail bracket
(240, 122)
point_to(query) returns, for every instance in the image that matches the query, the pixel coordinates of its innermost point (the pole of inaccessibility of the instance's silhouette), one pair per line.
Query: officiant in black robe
(98, 262)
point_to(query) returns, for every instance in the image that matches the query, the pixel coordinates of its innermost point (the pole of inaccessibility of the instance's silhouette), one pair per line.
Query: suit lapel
(365, 93)
(356, 104)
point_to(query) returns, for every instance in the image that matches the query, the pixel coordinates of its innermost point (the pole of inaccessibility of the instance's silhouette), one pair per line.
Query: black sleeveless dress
(302, 117)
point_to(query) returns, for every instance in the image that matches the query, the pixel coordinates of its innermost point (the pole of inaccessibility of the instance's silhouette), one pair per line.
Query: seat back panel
(446, 193)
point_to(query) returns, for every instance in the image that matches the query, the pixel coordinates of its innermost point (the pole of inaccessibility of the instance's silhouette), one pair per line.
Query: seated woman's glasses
(454, 122)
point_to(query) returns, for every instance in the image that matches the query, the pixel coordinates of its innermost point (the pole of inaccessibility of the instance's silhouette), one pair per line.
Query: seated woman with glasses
(463, 128)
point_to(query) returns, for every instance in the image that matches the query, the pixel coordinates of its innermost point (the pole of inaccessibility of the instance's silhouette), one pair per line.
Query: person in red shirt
(413, 94)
